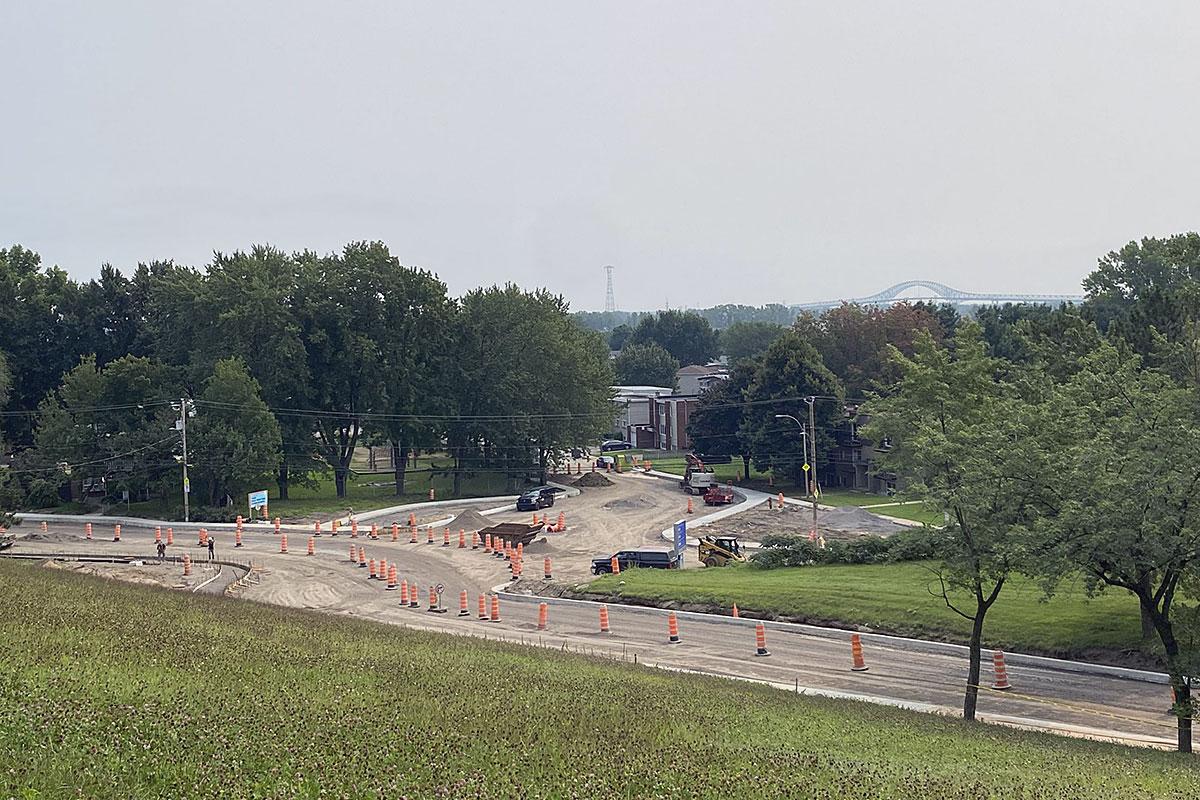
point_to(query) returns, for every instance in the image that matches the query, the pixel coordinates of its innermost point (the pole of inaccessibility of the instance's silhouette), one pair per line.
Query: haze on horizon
(713, 152)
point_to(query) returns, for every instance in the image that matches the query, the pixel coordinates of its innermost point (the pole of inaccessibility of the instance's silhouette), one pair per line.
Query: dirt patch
(630, 504)
(470, 520)
(592, 479)
(840, 523)
(148, 573)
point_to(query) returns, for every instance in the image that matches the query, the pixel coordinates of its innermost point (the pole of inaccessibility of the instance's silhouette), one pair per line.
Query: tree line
(1058, 443)
(284, 364)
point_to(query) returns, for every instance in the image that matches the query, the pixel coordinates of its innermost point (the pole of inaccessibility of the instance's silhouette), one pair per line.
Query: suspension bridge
(934, 292)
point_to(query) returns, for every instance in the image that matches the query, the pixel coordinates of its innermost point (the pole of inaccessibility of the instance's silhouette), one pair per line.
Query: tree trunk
(1148, 629)
(399, 464)
(339, 480)
(1179, 685)
(971, 699)
(746, 466)
(282, 481)
(457, 491)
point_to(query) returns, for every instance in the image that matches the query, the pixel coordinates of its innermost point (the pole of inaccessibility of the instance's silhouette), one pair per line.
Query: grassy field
(114, 690)
(895, 598)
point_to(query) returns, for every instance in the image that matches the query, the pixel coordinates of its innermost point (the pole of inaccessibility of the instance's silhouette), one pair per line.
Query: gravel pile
(592, 479)
(470, 520)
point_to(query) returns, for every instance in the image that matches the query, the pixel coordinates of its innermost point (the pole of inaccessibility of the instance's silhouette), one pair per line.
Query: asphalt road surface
(1047, 694)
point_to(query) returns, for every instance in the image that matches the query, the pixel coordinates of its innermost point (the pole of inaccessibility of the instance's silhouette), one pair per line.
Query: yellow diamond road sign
(806, 467)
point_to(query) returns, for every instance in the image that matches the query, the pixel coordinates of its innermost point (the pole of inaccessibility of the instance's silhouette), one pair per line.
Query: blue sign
(681, 535)
(258, 499)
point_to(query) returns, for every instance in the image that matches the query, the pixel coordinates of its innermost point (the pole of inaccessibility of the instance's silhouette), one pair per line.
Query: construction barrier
(412, 520)
(736, 615)
(672, 629)
(414, 599)
(446, 537)
(170, 536)
(483, 614)
(546, 568)
(237, 538)
(312, 545)
(858, 663)
(615, 566)
(760, 640)
(434, 604)
(277, 525)
(474, 540)
(374, 531)
(317, 528)
(495, 608)
(87, 531)
(520, 551)
(404, 592)
(283, 543)
(362, 558)
(604, 619)
(381, 573)
(395, 532)
(462, 539)
(999, 671)
(203, 535)
(430, 539)
(463, 609)
(187, 565)
(333, 528)
(543, 614)
(371, 569)
(391, 580)
(689, 506)
(487, 543)
(157, 534)
(412, 529)
(353, 529)
(431, 493)
(562, 522)
(116, 533)
(353, 555)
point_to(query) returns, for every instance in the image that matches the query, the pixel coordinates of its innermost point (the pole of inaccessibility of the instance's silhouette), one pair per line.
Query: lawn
(895, 598)
(115, 690)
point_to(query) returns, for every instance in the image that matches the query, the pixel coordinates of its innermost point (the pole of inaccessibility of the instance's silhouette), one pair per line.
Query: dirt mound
(592, 479)
(630, 504)
(470, 520)
(852, 519)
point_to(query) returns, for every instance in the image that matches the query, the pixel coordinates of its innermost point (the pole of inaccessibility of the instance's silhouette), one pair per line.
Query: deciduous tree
(645, 365)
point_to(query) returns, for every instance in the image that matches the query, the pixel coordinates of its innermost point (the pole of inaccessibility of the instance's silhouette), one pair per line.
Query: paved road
(1048, 695)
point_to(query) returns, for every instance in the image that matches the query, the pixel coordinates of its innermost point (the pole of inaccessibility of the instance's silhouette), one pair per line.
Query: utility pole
(184, 404)
(812, 443)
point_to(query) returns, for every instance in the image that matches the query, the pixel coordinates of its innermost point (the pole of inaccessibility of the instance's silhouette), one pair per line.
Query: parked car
(614, 444)
(604, 462)
(535, 499)
(644, 559)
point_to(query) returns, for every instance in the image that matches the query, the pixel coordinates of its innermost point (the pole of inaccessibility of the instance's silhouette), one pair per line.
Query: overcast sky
(713, 152)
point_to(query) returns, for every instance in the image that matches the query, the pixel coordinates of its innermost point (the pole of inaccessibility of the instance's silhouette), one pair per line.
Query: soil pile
(470, 520)
(630, 504)
(592, 479)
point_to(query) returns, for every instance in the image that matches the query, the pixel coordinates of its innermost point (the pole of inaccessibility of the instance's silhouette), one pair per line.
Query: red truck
(718, 495)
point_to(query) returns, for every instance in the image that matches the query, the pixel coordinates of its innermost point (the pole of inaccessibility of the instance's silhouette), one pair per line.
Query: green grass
(895, 598)
(114, 690)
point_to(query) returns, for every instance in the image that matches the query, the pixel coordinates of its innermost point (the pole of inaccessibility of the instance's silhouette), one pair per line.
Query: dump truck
(513, 533)
(697, 478)
(718, 496)
(720, 551)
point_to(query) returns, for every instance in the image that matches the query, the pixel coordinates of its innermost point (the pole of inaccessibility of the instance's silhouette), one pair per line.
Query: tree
(748, 339)
(235, 438)
(645, 365)
(790, 371)
(5, 388)
(1146, 287)
(618, 337)
(968, 441)
(719, 426)
(685, 335)
(1125, 512)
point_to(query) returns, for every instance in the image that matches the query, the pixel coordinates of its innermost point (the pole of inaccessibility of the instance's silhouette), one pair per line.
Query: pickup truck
(644, 559)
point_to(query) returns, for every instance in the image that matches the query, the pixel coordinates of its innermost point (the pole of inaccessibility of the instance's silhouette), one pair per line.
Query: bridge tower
(610, 299)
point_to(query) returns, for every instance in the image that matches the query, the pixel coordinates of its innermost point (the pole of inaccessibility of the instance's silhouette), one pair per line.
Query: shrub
(777, 551)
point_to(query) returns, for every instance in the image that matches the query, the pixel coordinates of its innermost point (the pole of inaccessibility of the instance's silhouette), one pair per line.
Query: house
(695, 379)
(653, 417)
(853, 459)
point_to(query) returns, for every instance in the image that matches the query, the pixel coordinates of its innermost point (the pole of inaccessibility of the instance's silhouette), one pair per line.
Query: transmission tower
(610, 300)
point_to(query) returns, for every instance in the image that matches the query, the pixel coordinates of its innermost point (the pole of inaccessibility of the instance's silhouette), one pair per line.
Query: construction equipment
(720, 551)
(718, 496)
(513, 533)
(697, 478)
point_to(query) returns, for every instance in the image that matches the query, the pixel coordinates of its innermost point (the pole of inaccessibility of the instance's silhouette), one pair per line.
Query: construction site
(480, 568)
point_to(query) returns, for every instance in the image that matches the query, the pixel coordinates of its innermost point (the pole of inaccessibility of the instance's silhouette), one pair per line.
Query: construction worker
(212, 545)
(162, 550)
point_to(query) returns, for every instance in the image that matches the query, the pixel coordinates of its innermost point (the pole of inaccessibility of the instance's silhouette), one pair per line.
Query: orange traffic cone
(779, 500)
(690, 510)
(157, 535)
(614, 566)
(371, 568)
(431, 493)
(760, 640)
(516, 569)
(999, 671)
(672, 629)
(381, 573)
(463, 605)
(414, 599)
(483, 607)
(312, 546)
(333, 527)
(404, 592)
(446, 537)
(508, 551)
(434, 604)
(237, 538)
(546, 568)
(562, 522)
(283, 543)
(736, 615)
(391, 585)
(395, 532)
(353, 554)
(412, 529)
(543, 613)
(495, 608)
(412, 520)
(604, 619)
(317, 528)
(277, 525)
(353, 529)
(520, 551)
(116, 533)
(87, 531)
(187, 565)
(374, 531)
(474, 540)
(170, 536)
(239, 521)
(362, 557)
(203, 537)
(430, 539)
(462, 538)
(487, 543)
(856, 654)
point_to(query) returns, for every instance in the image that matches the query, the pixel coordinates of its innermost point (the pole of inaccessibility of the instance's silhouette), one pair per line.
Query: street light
(807, 467)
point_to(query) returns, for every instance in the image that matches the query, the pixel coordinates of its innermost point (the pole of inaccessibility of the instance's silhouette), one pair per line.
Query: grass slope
(895, 598)
(113, 690)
